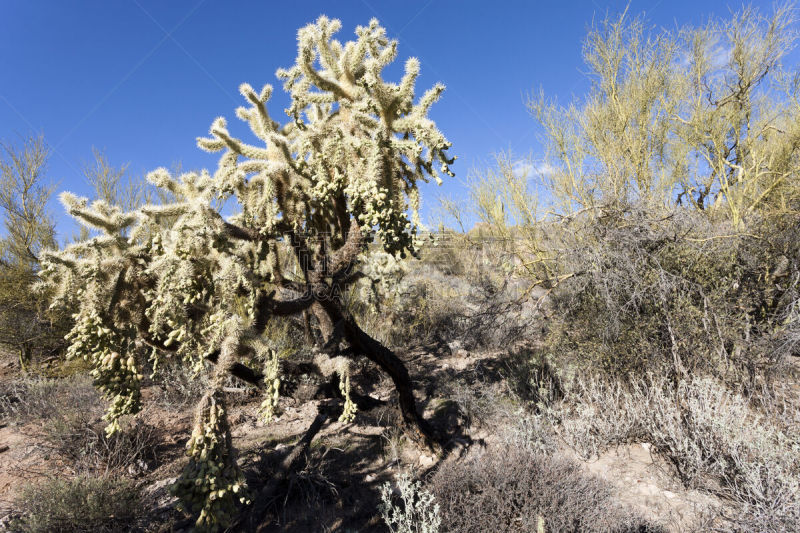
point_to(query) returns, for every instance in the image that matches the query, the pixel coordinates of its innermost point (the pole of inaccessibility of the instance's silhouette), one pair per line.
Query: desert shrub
(532, 377)
(32, 398)
(416, 512)
(494, 316)
(513, 489)
(67, 412)
(87, 448)
(530, 432)
(490, 307)
(432, 301)
(481, 395)
(499, 411)
(177, 386)
(706, 431)
(83, 504)
(713, 438)
(393, 442)
(596, 415)
(675, 294)
(476, 404)
(648, 263)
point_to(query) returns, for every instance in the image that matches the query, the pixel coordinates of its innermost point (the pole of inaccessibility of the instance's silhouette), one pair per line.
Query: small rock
(160, 484)
(646, 446)
(669, 494)
(426, 460)
(369, 478)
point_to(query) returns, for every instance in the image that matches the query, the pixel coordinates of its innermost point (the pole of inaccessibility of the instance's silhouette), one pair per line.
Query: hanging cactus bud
(272, 392)
(210, 452)
(349, 411)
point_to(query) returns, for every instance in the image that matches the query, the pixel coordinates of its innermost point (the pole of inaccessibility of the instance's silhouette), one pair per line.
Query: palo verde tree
(705, 117)
(180, 280)
(28, 228)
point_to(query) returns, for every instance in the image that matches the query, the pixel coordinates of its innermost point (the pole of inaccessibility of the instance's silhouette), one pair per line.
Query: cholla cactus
(272, 382)
(211, 483)
(117, 376)
(180, 280)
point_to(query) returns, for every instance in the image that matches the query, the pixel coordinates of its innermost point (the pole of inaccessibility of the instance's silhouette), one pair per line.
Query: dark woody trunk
(362, 343)
(336, 323)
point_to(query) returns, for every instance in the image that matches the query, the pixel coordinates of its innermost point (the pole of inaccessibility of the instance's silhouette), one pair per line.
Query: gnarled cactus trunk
(362, 343)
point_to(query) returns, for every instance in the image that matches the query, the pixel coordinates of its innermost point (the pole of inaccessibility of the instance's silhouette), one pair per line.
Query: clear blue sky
(141, 79)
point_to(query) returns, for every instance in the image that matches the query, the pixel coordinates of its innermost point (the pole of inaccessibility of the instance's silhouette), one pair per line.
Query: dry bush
(713, 438)
(31, 398)
(87, 448)
(509, 402)
(709, 313)
(393, 442)
(596, 415)
(532, 377)
(492, 308)
(477, 405)
(676, 294)
(178, 386)
(415, 512)
(452, 293)
(83, 504)
(528, 431)
(707, 431)
(66, 414)
(312, 485)
(511, 489)
(645, 264)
